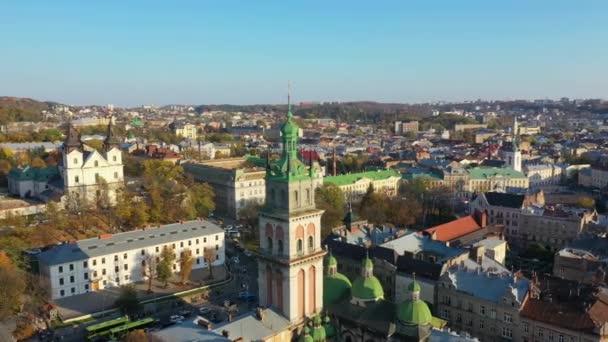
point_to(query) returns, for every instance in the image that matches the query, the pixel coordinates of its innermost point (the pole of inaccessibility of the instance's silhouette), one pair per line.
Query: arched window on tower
(311, 243)
(300, 247)
(269, 243)
(280, 247)
(273, 195)
(296, 197)
(307, 196)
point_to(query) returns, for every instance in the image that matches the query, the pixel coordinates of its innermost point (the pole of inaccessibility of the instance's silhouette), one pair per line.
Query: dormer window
(114, 158)
(75, 160)
(96, 163)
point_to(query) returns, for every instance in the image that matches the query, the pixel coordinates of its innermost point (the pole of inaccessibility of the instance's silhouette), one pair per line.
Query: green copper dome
(317, 320)
(318, 334)
(289, 128)
(336, 286)
(414, 312)
(306, 335)
(414, 286)
(367, 288)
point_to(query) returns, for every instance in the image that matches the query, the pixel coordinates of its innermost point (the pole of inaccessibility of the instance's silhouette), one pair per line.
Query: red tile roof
(454, 229)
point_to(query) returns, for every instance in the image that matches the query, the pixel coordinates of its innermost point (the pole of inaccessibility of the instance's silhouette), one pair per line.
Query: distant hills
(21, 109)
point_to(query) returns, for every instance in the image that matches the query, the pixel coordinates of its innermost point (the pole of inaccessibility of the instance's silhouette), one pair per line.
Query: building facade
(112, 260)
(235, 186)
(355, 185)
(485, 305)
(184, 130)
(84, 175)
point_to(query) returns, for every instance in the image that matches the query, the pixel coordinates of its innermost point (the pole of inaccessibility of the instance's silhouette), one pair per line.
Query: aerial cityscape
(341, 171)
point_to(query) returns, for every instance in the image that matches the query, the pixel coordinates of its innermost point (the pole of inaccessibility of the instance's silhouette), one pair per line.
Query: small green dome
(367, 288)
(330, 331)
(318, 334)
(317, 320)
(306, 335)
(414, 312)
(335, 288)
(331, 261)
(414, 286)
(289, 128)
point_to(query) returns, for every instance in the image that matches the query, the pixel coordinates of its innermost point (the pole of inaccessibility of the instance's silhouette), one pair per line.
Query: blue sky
(160, 52)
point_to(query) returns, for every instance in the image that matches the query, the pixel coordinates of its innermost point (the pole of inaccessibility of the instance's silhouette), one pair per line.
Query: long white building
(118, 259)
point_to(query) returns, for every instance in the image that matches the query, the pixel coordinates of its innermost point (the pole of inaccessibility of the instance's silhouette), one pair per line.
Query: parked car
(176, 319)
(248, 297)
(204, 310)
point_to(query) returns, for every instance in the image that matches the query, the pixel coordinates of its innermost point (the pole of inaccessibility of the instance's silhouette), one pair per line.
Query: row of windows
(97, 179)
(143, 252)
(96, 162)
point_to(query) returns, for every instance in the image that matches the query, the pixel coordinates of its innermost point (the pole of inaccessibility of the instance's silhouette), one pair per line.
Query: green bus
(120, 331)
(103, 329)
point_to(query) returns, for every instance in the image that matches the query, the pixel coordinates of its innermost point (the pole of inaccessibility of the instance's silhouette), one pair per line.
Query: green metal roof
(490, 172)
(367, 288)
(422, 175)
(137, 122)
(29, 173)
(414, 312)
(354, 177)
(336, 287)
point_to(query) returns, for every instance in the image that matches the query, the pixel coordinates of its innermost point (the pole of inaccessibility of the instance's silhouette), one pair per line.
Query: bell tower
(291, 258)
(513, 157)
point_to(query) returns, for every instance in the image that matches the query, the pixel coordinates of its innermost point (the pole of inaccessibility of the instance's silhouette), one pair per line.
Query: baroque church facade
(83, 176)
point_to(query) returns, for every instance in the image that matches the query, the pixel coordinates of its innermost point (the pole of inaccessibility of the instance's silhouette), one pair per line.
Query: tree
(127, 301)
(186, 262)
(403, 212)
(38, 163)
(249, 213)
(330, 198)
(209, 254)
(201, 197)
(136, 336)
(164, 269)
(150, 269)
(55, 215)
(12, 283)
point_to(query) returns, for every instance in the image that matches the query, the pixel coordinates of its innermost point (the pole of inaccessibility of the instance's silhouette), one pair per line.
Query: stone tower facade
(291, 258)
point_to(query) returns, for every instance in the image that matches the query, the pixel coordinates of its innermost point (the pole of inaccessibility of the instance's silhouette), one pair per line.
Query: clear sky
(220, 51)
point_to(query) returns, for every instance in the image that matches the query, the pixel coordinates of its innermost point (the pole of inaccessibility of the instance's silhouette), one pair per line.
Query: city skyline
(243, 53)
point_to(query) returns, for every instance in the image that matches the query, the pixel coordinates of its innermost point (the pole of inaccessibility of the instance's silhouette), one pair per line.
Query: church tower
(513, 157)
(291, 258)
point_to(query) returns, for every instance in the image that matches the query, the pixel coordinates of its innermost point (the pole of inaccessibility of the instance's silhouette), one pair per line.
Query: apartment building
(235, 183)
(109, 260)
(559, 310)
(543, 174)
(484, 304)
(184, 130)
